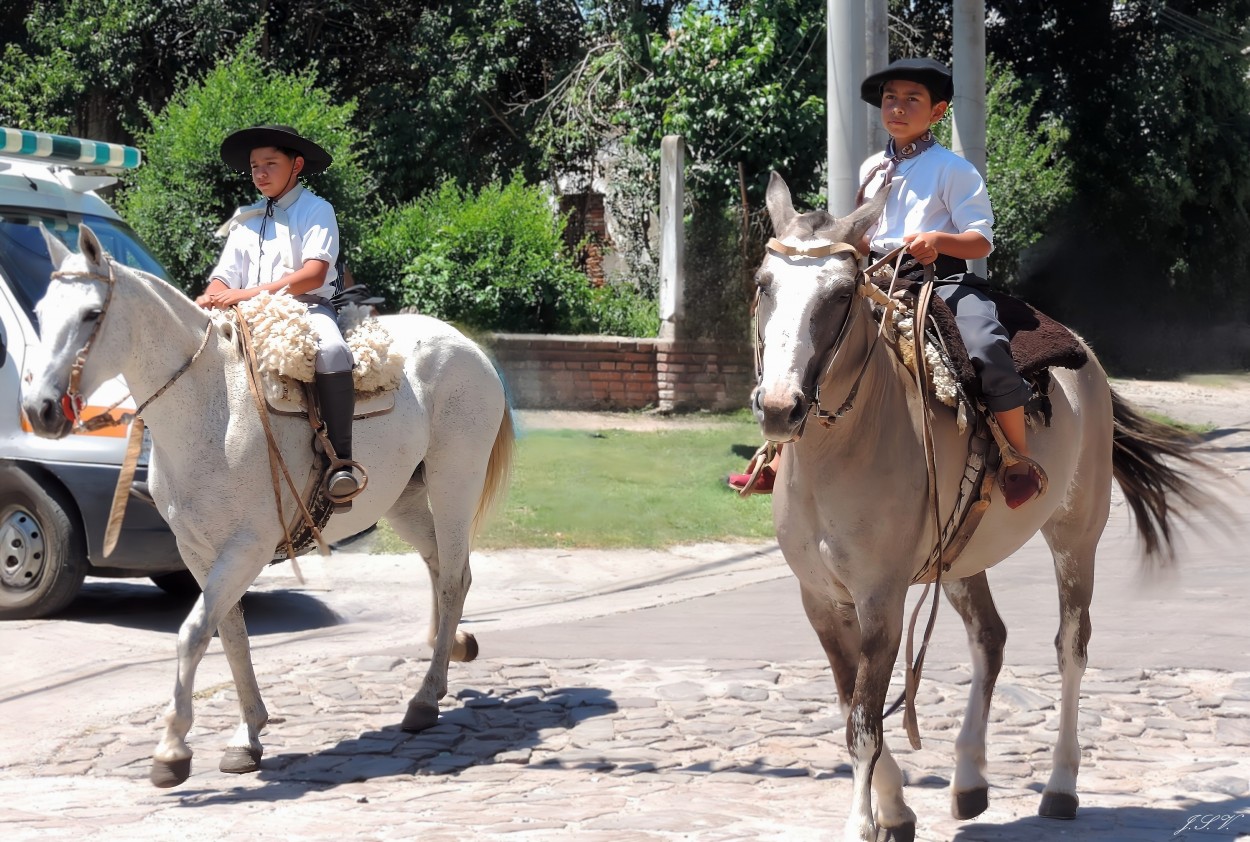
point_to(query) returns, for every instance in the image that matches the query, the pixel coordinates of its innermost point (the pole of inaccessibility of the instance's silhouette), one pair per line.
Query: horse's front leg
(880, 616)
(987, 635)
(226, 583)
(837, 627)
(244, 750)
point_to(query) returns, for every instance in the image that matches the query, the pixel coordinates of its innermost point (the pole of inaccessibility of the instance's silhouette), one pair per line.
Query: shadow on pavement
(140, 606)
(486, 729)
(1221, 820)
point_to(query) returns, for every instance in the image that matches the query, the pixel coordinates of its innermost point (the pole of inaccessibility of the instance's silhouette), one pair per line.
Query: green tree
(494, 259)
(184, 192)
(742, 87)
(87, 67)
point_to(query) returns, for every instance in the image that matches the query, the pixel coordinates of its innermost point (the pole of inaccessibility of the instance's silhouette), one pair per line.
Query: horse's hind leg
(455, 475)
(837, 627)
(1073, 536)
(244, 750)
(413, 521)
(986, 637)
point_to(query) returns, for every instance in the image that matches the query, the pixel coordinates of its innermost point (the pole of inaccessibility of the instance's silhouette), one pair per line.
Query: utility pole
(846, 123)
(878, 56)
(968, 65)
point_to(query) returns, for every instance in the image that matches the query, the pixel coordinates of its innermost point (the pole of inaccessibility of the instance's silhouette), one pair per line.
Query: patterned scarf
(893, 159)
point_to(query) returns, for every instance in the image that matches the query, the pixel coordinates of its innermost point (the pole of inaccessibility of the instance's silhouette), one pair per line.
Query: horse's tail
(1140, 458)
(498, 470)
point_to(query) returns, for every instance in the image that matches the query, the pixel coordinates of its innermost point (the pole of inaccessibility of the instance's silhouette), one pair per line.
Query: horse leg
(837, 628)
(986, 637)
(244, 750)
(1073, 551)
(453, 491)
(413, 521)
(225, 585)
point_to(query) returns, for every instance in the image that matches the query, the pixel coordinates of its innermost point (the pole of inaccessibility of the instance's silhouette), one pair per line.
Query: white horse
(435, 463)
(853, 517)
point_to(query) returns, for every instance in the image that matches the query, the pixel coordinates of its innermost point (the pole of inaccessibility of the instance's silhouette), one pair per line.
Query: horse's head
(70, 316)
(807, 299)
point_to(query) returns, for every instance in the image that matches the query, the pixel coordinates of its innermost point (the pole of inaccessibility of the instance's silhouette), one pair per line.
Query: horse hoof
(970, 804)
(239, 761)
(166, 774)
(420, 717)
(1058, 805)
(470, 648)
(903, 833)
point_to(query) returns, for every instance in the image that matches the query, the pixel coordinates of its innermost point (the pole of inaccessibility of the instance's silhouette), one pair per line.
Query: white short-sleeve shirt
(248, 261)
(935, 191)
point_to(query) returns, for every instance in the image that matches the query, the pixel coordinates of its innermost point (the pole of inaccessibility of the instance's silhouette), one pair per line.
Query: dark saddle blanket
(1038, 342)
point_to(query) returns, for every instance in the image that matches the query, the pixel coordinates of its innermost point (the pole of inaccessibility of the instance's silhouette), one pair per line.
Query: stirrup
(1017, 488)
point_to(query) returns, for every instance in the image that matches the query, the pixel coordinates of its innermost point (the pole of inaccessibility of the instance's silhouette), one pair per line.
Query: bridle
(862, 288)
(73, 402)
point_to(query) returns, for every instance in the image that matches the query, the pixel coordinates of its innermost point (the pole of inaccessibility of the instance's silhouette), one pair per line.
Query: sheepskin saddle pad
(286, 351)
(1038, 342)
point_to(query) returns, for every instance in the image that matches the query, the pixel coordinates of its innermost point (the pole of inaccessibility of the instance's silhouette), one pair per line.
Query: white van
(55, 495)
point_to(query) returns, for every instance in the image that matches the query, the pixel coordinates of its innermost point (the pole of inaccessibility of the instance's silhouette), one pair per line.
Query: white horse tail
(1152, 486)
(498, 470)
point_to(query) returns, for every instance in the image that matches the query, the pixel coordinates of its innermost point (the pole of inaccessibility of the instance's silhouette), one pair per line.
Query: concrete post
(968, 128)
(877, 57)
(845, 112)
(672, 235)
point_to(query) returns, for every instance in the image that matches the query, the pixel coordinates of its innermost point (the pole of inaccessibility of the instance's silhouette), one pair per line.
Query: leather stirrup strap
(276, 462)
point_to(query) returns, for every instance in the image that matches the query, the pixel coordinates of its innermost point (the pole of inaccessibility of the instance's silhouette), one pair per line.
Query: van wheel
(43, 557)
(178, 583)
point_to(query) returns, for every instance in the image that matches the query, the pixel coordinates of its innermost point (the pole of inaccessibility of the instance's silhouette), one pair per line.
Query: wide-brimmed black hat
(929, 72)
(236, 150)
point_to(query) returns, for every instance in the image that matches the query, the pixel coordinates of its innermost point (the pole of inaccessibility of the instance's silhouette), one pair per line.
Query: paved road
(650, 695)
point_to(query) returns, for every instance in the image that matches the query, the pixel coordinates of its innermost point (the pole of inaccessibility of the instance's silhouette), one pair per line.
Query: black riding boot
(337, 396)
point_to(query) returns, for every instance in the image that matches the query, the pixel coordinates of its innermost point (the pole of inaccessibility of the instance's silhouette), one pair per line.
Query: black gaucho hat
(236, 150)
(929, 72)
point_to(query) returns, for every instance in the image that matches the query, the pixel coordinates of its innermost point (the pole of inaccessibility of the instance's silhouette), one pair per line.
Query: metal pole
(877, 57)
(845, 121)
(968, 127)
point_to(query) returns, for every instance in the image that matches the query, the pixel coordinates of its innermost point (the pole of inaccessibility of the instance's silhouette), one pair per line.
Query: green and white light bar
(73, 152)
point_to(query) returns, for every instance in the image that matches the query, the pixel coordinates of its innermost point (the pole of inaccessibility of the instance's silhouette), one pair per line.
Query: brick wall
(609, 372)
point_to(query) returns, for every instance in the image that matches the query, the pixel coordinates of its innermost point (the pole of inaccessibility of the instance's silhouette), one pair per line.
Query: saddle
(279, 347)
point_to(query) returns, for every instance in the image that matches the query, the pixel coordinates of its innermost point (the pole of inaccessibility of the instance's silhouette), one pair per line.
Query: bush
(183, 192)
(494, 260)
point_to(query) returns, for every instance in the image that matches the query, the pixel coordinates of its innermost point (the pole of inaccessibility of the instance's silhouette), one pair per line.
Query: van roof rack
(73, 153)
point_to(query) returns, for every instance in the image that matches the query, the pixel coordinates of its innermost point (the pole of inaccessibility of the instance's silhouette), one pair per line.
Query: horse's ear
(780, 206)
(91, 249)
(855, 224)
(57, 250)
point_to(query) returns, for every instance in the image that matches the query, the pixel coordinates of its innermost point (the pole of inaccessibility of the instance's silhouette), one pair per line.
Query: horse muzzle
(48, 416)
(781, 414)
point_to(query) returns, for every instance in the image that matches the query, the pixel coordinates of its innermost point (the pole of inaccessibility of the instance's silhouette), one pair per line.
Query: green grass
(1195, 429)
(612, 489)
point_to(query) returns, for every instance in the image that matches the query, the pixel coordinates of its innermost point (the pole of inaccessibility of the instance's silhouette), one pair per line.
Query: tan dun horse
(855, 524)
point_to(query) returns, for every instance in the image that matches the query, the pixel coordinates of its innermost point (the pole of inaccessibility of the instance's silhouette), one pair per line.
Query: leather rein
(862, 288)
(73, 402)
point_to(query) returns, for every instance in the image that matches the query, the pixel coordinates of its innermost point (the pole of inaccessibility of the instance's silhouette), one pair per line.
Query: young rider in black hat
(938, 208)
(288, 242)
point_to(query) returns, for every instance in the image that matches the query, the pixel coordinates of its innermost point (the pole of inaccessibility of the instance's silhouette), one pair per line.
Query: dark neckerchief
(893, 159)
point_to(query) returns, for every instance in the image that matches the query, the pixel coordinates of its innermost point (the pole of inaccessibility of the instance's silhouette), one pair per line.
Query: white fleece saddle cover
(286, 353)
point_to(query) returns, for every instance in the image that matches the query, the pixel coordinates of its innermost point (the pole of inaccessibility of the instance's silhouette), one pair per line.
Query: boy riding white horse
(288, 243)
